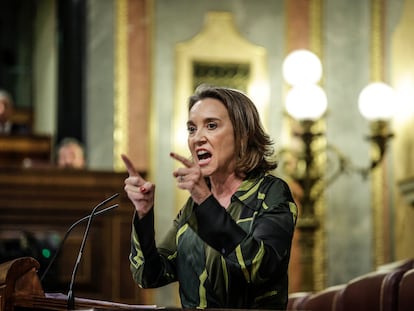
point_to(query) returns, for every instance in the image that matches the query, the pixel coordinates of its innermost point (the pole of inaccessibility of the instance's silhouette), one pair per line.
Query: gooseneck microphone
(51, 262)
(71, 296)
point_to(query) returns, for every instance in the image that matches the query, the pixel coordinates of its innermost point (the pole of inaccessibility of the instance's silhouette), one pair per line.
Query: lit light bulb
(306, 102)
(376, 101)
(302, 67)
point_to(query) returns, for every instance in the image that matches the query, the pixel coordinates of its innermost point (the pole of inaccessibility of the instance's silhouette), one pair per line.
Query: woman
(229, 246)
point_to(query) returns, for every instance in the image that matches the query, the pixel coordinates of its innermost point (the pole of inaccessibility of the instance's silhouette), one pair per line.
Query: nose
(199, 136)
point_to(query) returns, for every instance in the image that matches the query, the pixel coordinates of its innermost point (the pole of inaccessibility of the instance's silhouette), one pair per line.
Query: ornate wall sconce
(306, 103)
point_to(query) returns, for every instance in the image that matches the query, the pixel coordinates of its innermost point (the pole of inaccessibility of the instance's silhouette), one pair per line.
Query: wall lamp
(306, 103)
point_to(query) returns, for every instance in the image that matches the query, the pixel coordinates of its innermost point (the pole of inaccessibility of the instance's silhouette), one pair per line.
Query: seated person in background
(7, 127)
(71, 154)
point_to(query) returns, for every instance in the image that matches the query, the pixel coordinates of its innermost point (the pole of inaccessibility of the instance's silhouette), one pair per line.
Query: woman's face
(211, 137)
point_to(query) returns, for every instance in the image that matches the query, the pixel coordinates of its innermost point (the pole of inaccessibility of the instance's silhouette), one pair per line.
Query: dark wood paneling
(24, 150)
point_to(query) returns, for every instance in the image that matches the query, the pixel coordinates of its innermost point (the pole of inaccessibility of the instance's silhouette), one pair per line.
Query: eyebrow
(206, 120)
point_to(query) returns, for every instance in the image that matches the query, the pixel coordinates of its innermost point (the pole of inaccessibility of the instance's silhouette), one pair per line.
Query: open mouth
(203, 155)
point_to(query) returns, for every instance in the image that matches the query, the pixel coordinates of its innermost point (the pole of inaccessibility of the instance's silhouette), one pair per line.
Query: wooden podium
(20, 289)
(43, 203)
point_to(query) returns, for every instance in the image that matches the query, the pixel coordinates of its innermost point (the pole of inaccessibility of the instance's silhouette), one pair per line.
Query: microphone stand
(71, 296)
(67, 234)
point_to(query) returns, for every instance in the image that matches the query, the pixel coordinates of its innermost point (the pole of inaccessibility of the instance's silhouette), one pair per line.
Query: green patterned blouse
(223, 258)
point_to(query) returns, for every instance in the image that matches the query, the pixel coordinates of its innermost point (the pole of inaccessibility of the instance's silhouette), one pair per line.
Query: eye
(191, 129)
(211, 125)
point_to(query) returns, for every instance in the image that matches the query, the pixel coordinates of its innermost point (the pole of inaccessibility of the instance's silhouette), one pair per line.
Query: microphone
(71, 296)
(51, 262)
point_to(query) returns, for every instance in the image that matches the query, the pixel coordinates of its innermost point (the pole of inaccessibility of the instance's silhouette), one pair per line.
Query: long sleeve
(216, 227)
(260, 240)
(149, 267)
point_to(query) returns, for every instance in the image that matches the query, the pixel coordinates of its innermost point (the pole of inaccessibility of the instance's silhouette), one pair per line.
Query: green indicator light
(46, 253)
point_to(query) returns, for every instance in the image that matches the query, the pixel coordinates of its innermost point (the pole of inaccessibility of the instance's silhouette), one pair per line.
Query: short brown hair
(254, 147)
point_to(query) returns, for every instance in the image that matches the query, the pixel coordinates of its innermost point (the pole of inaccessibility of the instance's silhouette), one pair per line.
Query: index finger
(183, 160)
(130, 167)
